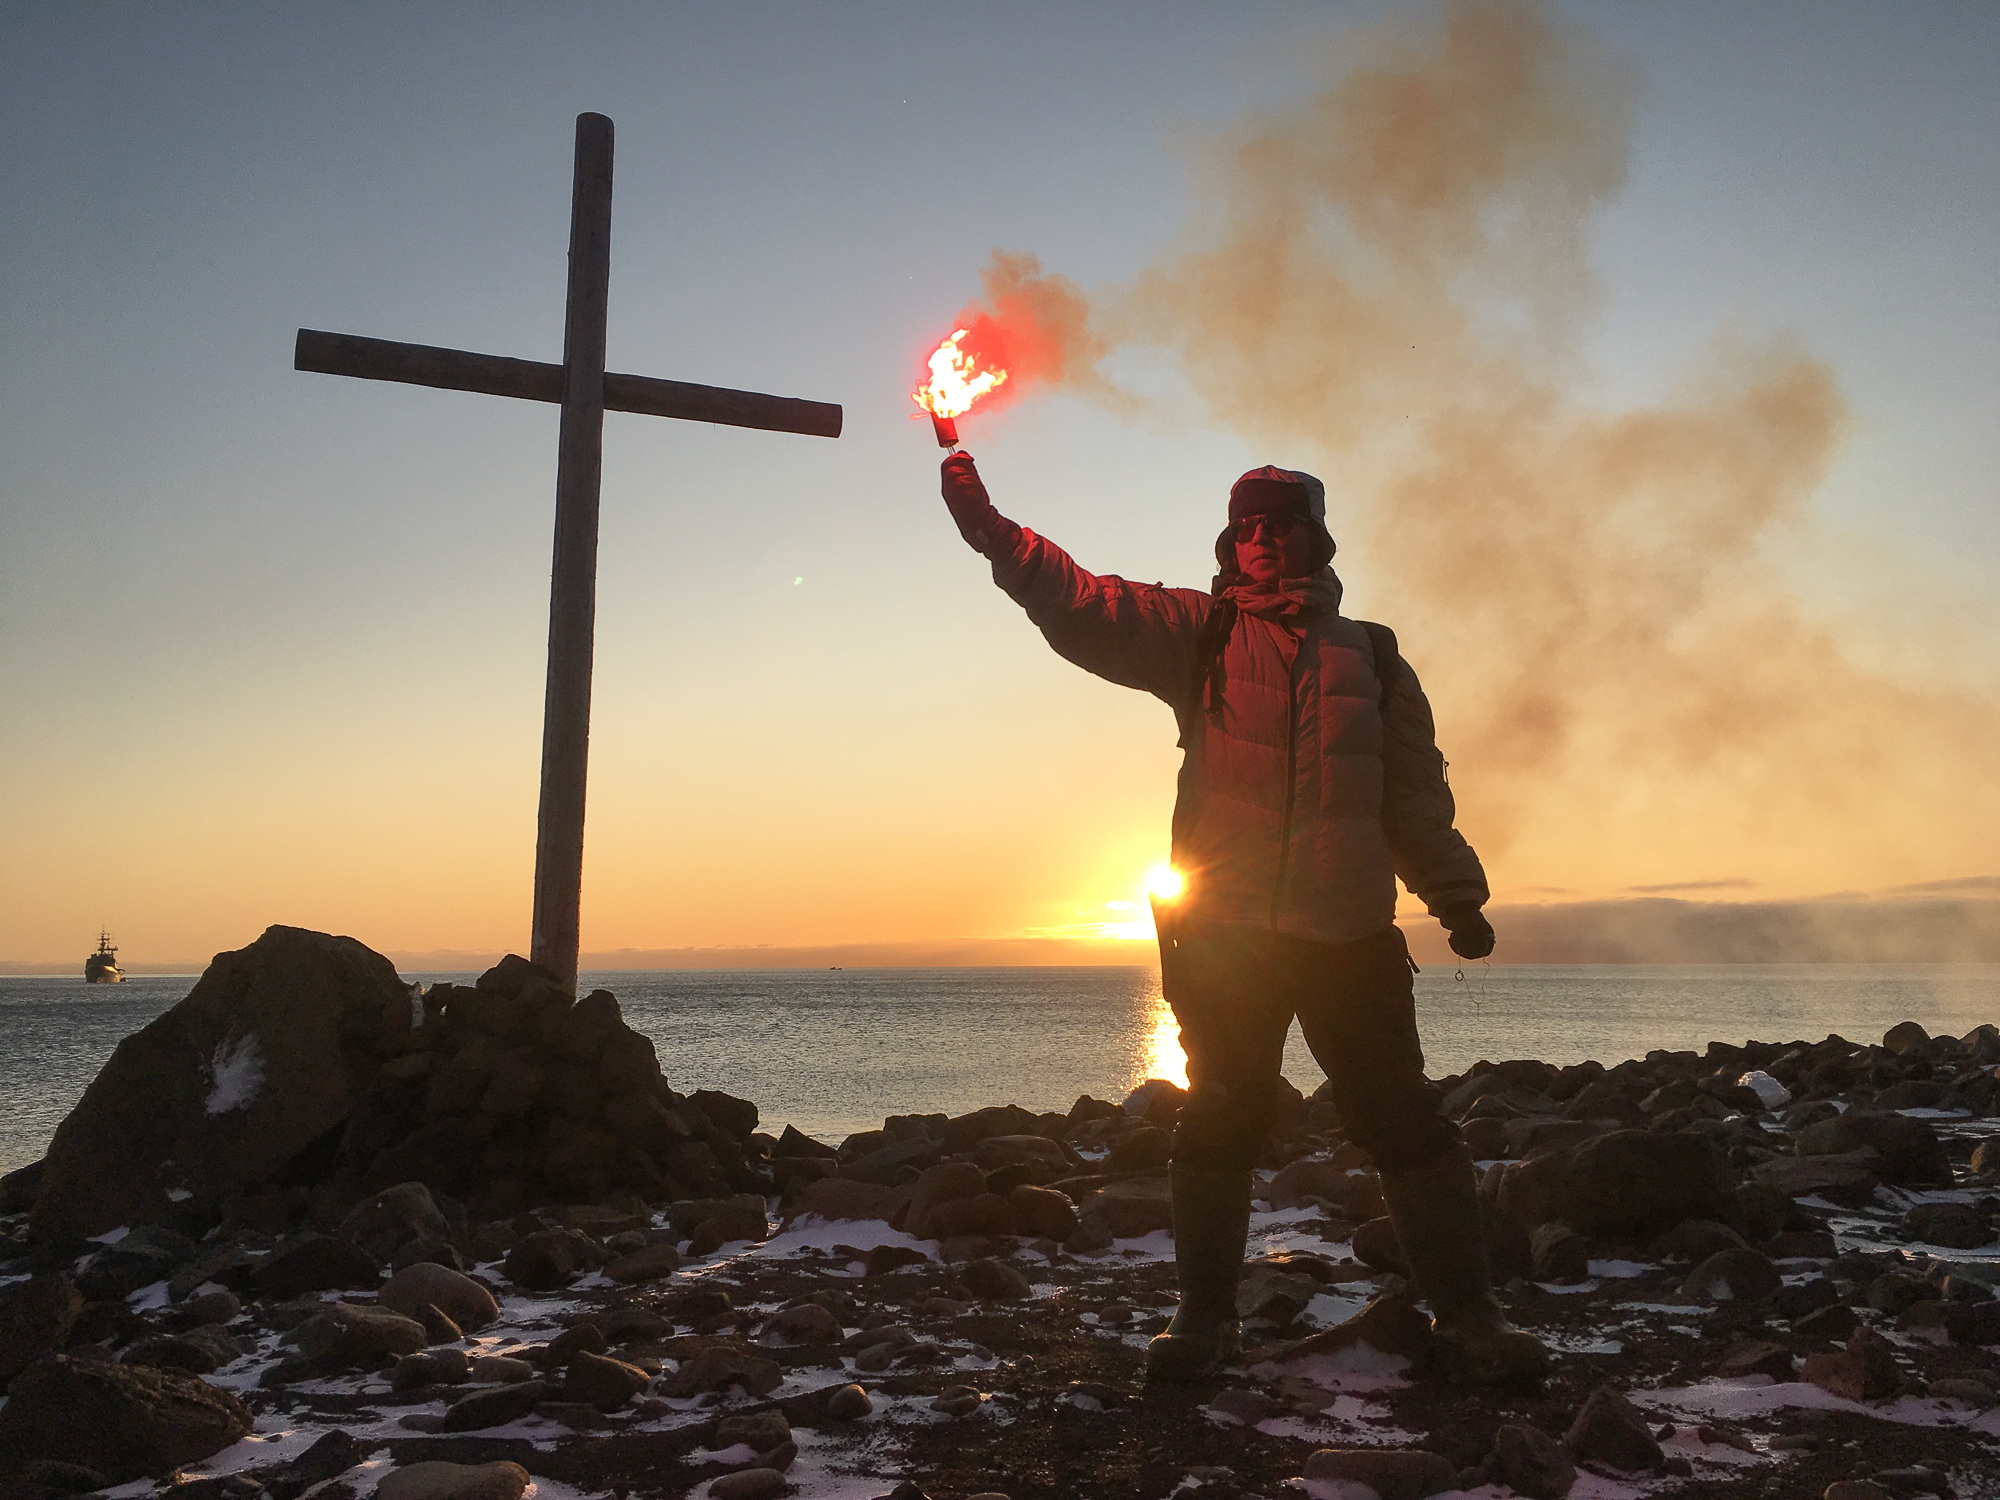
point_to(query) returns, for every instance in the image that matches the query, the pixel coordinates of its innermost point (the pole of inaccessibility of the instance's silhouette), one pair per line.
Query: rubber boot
(1436, 1213)
(1211, 1219)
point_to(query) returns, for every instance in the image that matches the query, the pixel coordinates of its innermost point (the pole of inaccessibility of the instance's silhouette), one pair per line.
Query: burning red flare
(959, 377)
(1028, 330)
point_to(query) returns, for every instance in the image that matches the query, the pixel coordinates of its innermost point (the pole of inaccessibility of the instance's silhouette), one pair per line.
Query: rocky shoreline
(310, 1233)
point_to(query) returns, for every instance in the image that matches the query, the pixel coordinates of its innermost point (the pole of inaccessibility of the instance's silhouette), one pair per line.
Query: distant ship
(102, 966)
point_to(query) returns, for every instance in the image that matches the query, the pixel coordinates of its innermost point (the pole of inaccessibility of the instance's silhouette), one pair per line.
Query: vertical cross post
(585, 392)
(573, 583)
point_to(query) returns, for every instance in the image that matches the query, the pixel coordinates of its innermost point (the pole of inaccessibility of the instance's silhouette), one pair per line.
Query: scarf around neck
(1294, 599)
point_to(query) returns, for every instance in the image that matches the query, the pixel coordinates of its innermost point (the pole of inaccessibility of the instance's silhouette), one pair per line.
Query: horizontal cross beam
(530, 380)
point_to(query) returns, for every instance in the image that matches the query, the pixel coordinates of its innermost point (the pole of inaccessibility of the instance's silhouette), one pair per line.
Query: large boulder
(1635, 1183)
(1609, 1429)
(393, 1218)
(36, 1316)
(224, 1090)
(467, 1303)
(315, 1263)
(125, 1422)
(352, 1336)
(1390, 1473)
(436, 1479)
(150, 1253)
(1912, 1154)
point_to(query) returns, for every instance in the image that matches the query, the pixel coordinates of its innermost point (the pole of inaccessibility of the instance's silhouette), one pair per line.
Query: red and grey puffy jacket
(1310, 790)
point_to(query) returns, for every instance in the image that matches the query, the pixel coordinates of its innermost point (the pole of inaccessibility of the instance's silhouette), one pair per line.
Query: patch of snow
(1690, 1446)
(1337, 1489)
(148, 1297)
(824, 1234)
(236, 1072)
(111, 1237)
(1735, 1399)
(1620, 1270)
(1773, 1093)
(1588, 1486)
(178, 1195)
(1358, 1369)
(1329, 1308)
(1582, 1343)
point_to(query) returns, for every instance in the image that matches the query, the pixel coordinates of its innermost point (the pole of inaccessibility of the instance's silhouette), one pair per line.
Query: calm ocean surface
(834, 1051)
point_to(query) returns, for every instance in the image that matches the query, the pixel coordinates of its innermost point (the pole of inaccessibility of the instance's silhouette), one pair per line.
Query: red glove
(984, 528)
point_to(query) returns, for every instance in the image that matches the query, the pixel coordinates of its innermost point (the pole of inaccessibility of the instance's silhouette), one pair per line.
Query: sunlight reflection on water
(1164, 1057)
(834, 1051)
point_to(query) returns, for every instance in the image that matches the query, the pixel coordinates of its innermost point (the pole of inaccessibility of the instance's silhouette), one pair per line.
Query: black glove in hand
(1471, 933)
(984, 528)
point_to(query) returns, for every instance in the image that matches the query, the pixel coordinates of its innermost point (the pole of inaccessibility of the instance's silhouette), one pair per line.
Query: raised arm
(1418, 811)
(1137, 635)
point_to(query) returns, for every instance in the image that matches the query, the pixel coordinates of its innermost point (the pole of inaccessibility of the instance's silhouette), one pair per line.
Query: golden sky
(1647, 357)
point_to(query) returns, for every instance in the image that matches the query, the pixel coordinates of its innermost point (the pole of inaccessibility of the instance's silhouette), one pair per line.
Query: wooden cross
(586, 392)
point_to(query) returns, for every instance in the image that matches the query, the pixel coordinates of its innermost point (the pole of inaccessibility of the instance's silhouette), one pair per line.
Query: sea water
(833, 1051)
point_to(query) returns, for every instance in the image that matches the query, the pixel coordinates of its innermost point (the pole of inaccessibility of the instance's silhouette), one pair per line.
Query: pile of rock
(301, 1074)
(1680, 1152)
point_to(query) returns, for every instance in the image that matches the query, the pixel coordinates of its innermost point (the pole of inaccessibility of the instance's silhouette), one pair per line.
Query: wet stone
(1739, 1274)
(759, 1430)
(994, 1280)
(1392, 1473)
(494, 1408)
(1955, 1226)
(749, 1484)
(849, 1403)
(1531, 1461)
(957, 1401)
(1608, 1429)
(603, 1382)
(500, 1369)
(448, 1481)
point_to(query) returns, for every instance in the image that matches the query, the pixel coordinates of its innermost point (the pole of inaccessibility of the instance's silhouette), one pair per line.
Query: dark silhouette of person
(1312, 782)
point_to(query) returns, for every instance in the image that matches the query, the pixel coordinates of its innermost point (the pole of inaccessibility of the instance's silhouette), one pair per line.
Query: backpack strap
(1210, 646)
(1383, 639)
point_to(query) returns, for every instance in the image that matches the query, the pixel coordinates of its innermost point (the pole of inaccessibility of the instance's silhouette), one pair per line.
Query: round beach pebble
(749, 1484)
(437, 1480)
(995, 1280)
(848, 1404)
(500, 1369)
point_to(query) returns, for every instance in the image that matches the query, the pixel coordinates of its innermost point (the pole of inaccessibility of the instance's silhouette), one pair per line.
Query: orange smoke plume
(1390, 276)
(1029, 329)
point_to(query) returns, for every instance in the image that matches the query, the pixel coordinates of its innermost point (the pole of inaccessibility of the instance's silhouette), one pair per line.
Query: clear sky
(271, 643)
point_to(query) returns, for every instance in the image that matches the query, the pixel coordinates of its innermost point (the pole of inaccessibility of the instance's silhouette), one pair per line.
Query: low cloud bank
(1891, 928)
(1948, 921)
(1899, 926)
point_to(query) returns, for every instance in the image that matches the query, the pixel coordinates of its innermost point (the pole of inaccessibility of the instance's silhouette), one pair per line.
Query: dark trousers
(1235, 990)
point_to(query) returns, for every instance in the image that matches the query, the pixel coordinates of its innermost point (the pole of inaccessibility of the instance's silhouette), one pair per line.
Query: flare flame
(958, 378)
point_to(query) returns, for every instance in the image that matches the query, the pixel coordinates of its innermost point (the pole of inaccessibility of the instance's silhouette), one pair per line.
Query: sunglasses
(1274, 526)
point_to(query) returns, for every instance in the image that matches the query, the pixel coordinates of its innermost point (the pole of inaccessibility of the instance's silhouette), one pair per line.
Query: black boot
(1436, 1213)
(1211, 1219)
